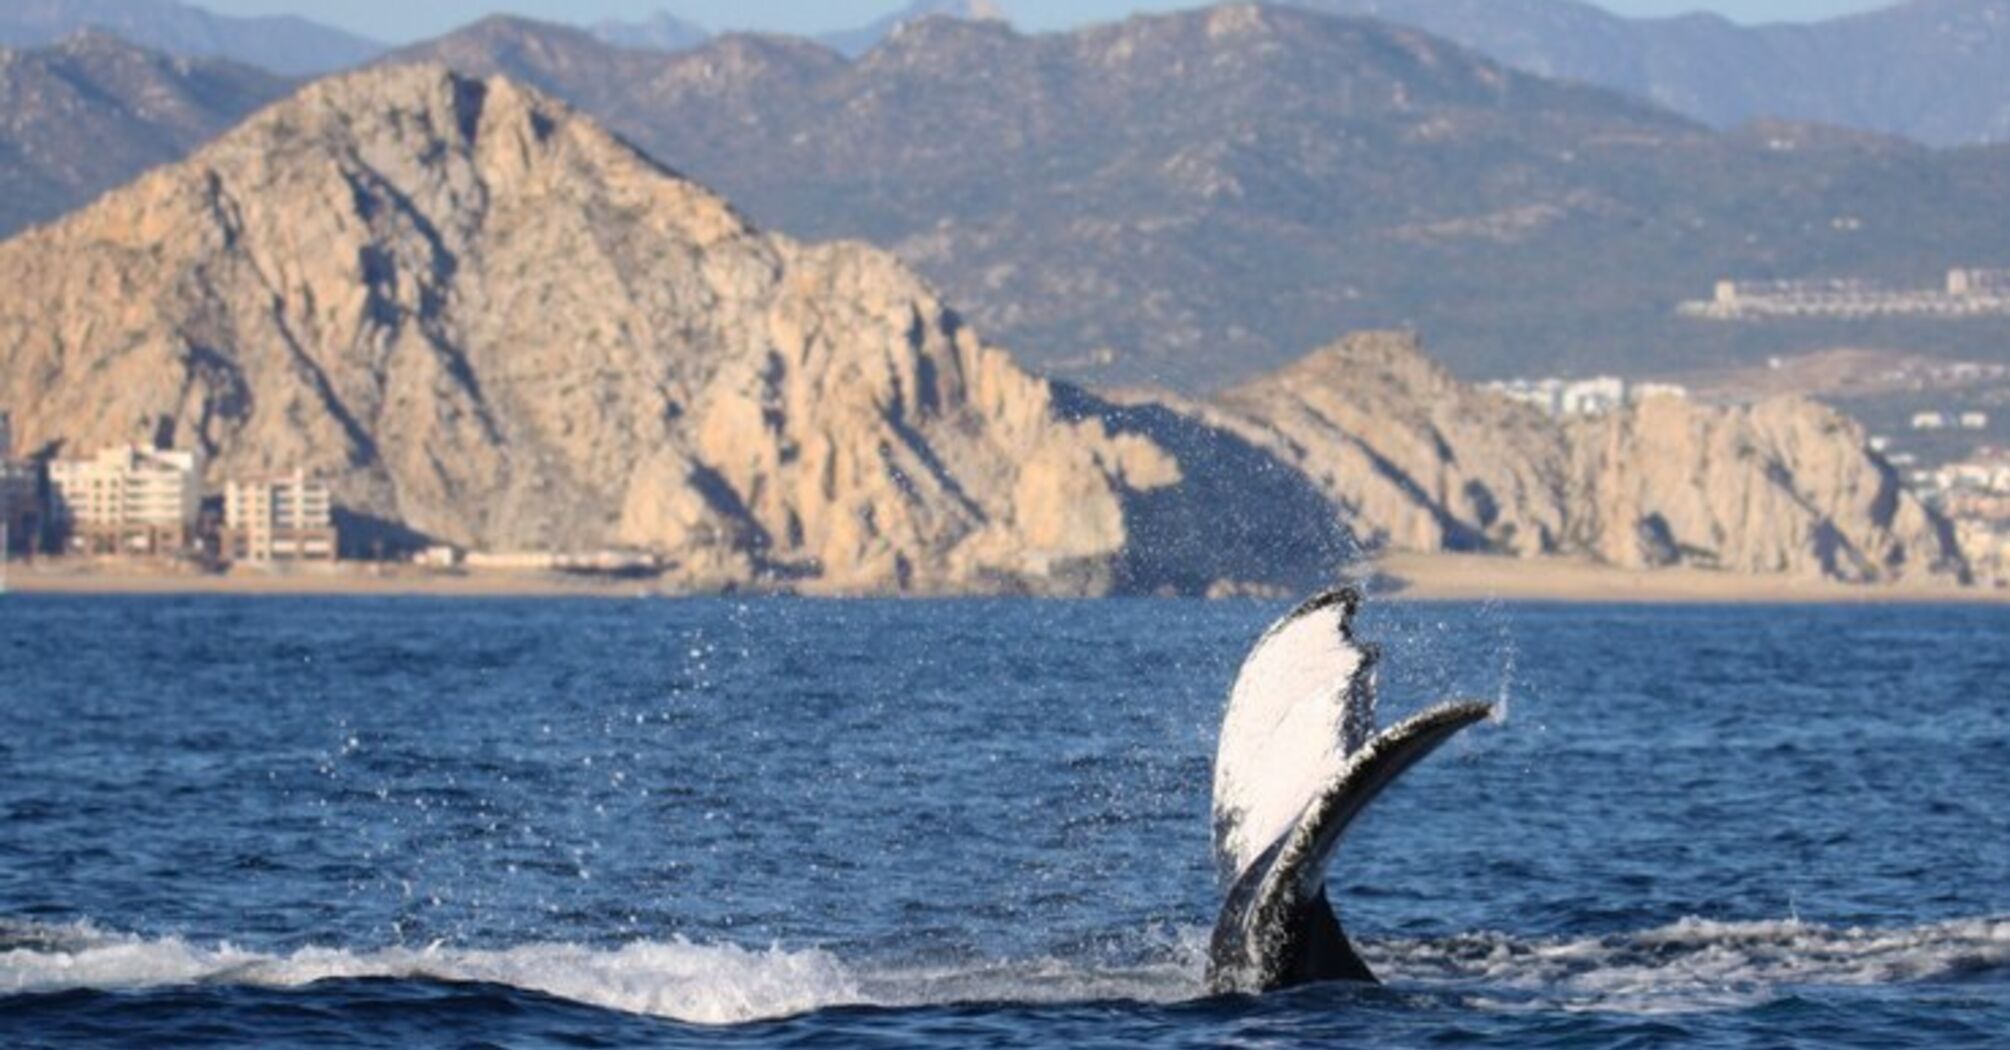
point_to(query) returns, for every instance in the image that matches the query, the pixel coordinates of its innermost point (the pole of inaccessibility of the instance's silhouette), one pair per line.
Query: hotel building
(287, 518)
(128, 500)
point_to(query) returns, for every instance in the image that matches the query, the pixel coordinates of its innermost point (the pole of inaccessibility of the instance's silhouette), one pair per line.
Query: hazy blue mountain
(661, 31)
(1191, 198)
(284, 44)
(856, 42)
(89, 113)
(1934, 70)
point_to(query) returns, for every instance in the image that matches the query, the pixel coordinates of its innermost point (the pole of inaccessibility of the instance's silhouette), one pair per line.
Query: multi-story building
(287, 518)
(1560, 398)
(128, 500)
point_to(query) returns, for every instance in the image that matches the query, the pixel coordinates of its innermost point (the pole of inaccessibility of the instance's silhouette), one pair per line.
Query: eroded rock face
(1426, 463)
(1783, 486)
(1422, 461)
(488, 320)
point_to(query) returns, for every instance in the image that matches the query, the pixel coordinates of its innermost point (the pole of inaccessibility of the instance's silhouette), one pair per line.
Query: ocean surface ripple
(412, 822)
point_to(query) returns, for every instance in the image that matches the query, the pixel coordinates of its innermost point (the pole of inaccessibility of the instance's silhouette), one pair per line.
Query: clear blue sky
(400, 20)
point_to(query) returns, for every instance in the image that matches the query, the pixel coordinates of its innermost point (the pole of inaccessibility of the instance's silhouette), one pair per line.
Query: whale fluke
(1299, 759)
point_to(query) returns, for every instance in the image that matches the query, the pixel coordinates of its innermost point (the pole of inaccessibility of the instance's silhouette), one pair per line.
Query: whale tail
(1299, 760)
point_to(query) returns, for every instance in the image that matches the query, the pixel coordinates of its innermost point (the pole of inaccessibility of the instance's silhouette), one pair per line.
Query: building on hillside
(289, 518)
(1966, 293)
(128, 501)
(1648, 391)
(1978, 282)
(1975, 421)
(1930, 421)
(1561, 398)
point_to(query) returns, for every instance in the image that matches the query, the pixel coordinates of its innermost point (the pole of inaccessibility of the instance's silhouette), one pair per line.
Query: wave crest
(1690, 966)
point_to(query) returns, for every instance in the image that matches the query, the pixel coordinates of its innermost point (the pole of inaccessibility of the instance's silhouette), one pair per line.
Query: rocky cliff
(1423, 462)
(493, 323)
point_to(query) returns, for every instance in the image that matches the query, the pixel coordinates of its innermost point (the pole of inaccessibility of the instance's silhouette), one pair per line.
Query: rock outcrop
(1423, 462)
(490, 322)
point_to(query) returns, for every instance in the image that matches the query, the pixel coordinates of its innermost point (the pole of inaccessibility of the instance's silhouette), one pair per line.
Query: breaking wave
(1690, 966)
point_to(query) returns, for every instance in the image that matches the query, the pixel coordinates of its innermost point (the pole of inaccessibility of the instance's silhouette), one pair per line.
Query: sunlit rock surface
(491, 323)
(1423, 462)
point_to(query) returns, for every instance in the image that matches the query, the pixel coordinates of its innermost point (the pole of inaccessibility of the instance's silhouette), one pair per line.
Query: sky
(403, 20)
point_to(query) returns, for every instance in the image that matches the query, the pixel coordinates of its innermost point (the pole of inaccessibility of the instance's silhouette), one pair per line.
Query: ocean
(411, 822)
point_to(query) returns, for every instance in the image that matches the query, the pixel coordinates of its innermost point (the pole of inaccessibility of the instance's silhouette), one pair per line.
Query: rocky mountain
(1934, 70)
(1192, 199)
(856, 42)
(490, 322)
(661, 31)
(1422, 462)
(283, 43)
(92, 111)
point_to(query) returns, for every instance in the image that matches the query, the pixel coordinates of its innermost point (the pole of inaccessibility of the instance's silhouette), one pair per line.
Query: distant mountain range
(661, 31)
(1191, 198)
(283, 44)
(1934, 70)
(93, 111)
(856, 42)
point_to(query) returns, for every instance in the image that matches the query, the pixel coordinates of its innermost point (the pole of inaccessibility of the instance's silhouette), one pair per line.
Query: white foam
(1689, 966)
(1698, 964)
(701, 984)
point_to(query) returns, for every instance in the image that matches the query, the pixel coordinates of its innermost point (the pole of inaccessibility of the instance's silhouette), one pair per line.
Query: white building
(128, 500)
(1975, 421)
(1558, 398)
(1646, 391)
(287, 518)
(1594, 397)
(1930, 421)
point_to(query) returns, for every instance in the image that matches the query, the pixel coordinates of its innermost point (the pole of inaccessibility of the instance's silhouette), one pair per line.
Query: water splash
(1687, 967)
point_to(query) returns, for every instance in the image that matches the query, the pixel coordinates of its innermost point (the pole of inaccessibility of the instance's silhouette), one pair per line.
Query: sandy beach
(1399, 577)
(1478, 577)
(52, 577)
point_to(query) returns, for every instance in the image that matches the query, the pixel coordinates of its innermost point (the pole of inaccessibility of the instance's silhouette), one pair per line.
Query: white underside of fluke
(1303, 702)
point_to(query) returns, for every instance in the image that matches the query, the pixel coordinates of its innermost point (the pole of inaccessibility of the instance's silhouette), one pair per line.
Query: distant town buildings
(1966, 293)
(600, 563)
(277, 520)
(1564, 398)
(128, 500)
(131, 501)
(1950, 421)
(1975, 497)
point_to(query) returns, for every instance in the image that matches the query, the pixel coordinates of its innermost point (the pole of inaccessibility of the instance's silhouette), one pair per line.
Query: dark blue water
(397, 823)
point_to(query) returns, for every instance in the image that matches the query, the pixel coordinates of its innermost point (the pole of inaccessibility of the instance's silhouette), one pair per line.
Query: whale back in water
(1299, 759)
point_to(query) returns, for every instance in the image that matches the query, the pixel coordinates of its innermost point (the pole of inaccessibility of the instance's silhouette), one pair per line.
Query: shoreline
(1397, 577)
(1480, 577)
